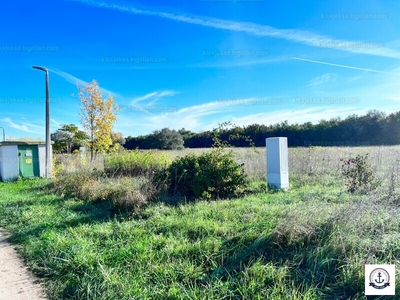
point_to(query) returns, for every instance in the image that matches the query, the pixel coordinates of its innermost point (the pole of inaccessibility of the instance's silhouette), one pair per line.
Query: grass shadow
(307, 268)
(76, 214)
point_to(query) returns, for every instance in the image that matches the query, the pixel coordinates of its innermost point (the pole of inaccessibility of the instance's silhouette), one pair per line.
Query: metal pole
(48, 153)
(4, 134)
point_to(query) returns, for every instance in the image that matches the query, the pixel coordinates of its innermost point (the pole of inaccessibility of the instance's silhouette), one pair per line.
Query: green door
(28, 161)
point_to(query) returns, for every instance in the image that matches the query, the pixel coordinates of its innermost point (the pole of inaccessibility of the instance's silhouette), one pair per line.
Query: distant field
(302, 160)
(309, 243)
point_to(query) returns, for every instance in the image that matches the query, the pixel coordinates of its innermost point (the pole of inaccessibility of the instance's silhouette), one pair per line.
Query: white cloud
(343, 66)
(24, 126)
(191, 116)
(311, 114)
(153, 97)
(55, 122)
(208, 116)
(298, 36)
(325, 78)
(77, 81)
(194, 117)
(145, 97)
(240, 63)
(70, 78)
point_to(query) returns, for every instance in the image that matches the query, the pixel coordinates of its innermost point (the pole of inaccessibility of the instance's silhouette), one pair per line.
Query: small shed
(25, 158)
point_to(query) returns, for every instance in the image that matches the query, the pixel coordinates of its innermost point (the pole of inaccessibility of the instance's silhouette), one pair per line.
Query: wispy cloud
(298, 36)
(203, 116)
(153, 97)
(24, 126)
(238, 63)
(220, 106)
(195, 117)
(325, 78)
(55, 122)
(119, 99)
(77, 81)
(68, 77)
(241, 112)
(343, 66)
(201, 110)
(208, 116)
(311, 114)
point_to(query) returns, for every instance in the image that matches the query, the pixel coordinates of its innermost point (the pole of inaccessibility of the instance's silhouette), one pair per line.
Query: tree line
(374, 128)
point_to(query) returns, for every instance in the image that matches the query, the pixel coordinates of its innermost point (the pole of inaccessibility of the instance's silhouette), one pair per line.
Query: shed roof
(23, 142)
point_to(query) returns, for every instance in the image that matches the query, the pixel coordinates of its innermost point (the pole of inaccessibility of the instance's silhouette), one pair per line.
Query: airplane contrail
(342, 66)
(294, 35)
(75, 80)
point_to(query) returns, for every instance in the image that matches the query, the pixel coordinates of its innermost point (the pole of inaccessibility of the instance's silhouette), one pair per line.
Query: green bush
(209, 175)
(359, 174)
(133, 163)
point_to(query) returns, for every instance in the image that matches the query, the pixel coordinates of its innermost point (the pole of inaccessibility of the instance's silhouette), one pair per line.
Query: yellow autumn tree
(98, 116)
(117, 141)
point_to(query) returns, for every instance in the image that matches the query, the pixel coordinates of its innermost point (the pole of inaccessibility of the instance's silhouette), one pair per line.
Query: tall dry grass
(307, 165)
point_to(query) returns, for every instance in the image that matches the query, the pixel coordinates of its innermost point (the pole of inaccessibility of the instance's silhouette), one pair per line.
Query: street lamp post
(48, 154)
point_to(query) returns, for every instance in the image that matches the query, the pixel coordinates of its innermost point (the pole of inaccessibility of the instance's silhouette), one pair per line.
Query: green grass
(136, 162)
(309, 243)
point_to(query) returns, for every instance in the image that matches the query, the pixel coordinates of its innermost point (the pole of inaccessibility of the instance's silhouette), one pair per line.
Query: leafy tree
(59, 145)
(186, 134)
(68, 136)
(97, 117)
(117, 141)
(169, 139)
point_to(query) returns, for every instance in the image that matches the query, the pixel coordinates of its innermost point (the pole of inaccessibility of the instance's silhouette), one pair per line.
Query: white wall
(9, 164)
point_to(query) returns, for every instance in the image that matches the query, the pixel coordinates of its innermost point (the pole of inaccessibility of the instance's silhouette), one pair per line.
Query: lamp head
(40, 68)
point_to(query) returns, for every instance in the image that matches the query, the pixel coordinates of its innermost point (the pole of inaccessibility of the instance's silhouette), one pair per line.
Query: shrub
(358, 173)
(210, 175)
(56, 167)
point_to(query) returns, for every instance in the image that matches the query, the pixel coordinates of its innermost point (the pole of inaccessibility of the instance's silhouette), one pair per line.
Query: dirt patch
(16, 282)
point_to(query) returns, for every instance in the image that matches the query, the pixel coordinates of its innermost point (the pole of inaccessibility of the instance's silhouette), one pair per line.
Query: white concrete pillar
(277, 162)
(42, 160)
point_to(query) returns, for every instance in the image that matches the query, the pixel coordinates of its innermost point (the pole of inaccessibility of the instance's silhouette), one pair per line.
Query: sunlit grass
(308, 243)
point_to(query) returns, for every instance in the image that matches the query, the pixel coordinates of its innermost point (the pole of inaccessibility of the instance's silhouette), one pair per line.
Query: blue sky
(198, 63)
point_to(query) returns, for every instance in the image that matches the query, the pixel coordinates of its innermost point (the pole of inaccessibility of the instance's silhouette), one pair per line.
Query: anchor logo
(379, 278)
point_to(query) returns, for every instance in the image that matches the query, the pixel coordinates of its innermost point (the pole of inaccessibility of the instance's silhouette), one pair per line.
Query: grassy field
(309, 243)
